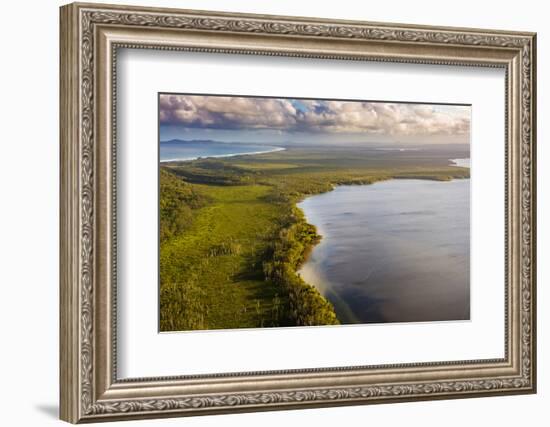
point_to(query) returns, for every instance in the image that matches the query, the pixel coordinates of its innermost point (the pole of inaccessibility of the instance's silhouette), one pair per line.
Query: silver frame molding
(90, 37)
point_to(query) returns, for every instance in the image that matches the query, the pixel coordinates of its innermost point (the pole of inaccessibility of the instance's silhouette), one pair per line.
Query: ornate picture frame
(90, 37)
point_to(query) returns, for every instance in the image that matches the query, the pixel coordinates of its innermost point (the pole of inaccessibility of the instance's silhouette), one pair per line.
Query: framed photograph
(266, 212)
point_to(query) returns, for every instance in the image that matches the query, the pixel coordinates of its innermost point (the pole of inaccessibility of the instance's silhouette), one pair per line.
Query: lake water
(393, 251)
(190, 150)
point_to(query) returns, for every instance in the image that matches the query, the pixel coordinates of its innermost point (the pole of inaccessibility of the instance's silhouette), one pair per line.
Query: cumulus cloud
(315, 116)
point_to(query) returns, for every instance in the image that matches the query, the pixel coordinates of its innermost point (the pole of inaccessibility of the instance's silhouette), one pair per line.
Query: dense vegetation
(177, 201)
(306, 306)
(232, 237)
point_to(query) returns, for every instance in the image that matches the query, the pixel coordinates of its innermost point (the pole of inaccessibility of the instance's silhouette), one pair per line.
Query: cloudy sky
(249, 119)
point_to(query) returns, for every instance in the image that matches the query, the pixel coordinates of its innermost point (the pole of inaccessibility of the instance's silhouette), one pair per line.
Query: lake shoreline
(310, 248)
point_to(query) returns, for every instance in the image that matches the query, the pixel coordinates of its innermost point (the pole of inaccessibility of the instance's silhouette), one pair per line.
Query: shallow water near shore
(393, 251)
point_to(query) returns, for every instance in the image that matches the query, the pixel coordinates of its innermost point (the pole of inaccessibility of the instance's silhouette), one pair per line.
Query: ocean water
(463, 163)
(190, 150)
(393, 251)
